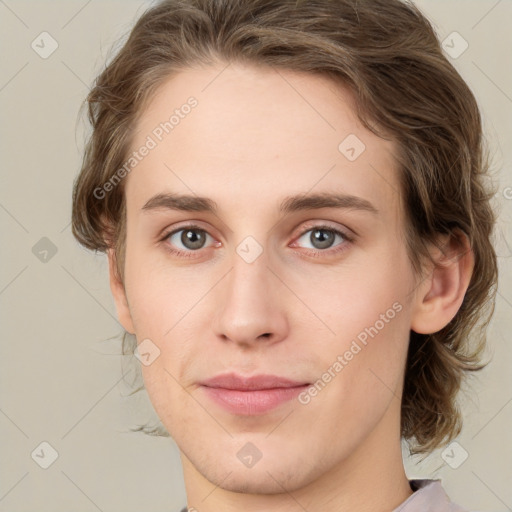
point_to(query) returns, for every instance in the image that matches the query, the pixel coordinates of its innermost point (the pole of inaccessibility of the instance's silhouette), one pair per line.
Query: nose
(252, 306)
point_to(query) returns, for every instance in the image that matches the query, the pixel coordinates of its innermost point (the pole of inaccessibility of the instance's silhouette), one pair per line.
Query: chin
(255, 483)
(266, 477)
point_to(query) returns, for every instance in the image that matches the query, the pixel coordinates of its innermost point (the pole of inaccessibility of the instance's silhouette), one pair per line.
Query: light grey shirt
(428, 496)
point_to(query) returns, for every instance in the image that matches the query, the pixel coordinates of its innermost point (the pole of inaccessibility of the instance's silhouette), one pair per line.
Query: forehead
(244, 133)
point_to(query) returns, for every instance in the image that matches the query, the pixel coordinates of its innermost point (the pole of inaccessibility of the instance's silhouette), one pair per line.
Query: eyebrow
(290, 204)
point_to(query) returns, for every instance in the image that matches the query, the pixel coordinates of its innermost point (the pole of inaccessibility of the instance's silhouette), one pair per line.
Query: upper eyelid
(167, 233)
(345, 232)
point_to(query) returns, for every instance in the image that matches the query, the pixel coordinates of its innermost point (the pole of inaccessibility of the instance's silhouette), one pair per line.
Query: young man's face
(262, 289)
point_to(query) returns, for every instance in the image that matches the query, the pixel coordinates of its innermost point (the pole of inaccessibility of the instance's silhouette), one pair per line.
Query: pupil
(192, 239)
(320, 240)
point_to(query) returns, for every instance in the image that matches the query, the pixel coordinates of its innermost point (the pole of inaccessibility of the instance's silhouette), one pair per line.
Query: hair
(387, 54)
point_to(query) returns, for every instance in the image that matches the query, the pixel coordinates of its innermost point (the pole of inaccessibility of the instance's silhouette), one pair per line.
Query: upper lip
(255, 382)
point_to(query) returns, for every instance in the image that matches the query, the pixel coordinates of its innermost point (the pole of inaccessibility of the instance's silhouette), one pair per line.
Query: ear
(440, 295)
(119, 294)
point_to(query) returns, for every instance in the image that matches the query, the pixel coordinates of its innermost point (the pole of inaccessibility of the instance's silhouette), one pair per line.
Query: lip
(253, 395)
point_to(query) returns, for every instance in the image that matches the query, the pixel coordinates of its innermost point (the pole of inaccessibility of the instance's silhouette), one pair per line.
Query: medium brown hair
(387, 53)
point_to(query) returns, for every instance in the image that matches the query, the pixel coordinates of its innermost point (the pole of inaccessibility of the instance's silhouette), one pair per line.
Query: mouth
(250, 396)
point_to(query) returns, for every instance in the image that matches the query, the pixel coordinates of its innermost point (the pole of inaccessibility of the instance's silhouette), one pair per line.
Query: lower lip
(250, 403)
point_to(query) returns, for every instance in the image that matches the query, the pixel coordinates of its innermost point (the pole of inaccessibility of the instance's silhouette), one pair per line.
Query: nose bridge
(249, 262)
(249, 275)
(249, 310)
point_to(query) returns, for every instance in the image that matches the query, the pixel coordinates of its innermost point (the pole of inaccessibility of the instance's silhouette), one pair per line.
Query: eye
(189, 240)
(186, 240)
(323, 238)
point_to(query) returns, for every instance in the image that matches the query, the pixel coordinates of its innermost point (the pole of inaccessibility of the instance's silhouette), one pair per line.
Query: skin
(256, 137)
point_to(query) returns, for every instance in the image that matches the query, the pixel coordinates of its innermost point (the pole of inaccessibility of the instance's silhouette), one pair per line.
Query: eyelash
(347, 240)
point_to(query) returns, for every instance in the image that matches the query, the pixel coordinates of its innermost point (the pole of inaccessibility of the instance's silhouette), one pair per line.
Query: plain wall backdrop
(62, 384)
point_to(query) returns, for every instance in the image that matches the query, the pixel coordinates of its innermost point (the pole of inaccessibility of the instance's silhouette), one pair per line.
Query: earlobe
(440, 296)
(119, 294)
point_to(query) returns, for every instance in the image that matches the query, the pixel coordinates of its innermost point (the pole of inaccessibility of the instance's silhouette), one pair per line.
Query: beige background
(61, 383)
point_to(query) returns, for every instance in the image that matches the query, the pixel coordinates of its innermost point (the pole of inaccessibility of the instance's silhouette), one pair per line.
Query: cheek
(167, 307)
(158, 295)
(369, 314)
(360, 372)
(367, 294)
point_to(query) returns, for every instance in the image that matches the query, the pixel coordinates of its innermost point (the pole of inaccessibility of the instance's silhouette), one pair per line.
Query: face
(287, 259)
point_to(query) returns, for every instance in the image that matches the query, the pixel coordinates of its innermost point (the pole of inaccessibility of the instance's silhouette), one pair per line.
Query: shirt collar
(429, 496)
